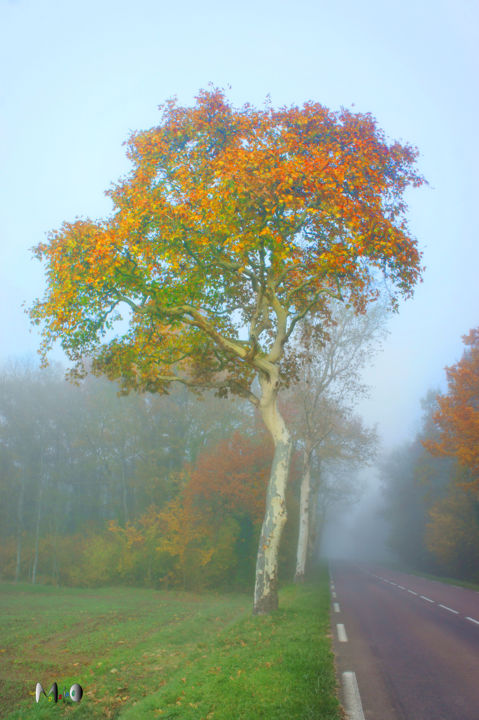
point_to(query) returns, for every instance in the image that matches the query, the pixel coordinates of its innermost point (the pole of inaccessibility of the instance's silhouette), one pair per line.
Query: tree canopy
(230, 219)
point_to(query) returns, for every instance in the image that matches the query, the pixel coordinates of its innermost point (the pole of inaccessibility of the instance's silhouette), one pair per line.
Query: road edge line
(352, 698)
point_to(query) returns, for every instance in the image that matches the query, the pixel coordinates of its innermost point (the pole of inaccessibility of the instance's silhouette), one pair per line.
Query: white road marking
(342, 637)
(456, 612)
(352, 698)
(336, 607)
(334, 594)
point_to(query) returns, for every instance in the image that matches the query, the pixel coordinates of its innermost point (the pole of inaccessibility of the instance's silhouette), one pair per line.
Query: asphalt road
(412, 643)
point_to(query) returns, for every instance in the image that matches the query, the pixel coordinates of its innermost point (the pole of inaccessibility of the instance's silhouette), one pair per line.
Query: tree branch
(299, 316)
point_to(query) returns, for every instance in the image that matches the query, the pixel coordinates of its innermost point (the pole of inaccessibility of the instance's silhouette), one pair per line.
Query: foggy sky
(77, 77)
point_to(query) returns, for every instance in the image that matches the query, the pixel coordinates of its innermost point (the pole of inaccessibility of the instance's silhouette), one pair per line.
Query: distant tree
(31, 442)
(457, 416)
(232, 475)
(233, 227)
(319, 405)
(452, 533)
(406, 504)
(335, 473)
(431, 485)
(413, 482)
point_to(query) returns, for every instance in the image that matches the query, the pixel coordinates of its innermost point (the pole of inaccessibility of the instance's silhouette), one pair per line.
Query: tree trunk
(37, 532)
(55, 569)
(124, 491)
(19, 554)
(315, 516)
(55, 573)
(20, 527)
(266, 586)
(304, 519)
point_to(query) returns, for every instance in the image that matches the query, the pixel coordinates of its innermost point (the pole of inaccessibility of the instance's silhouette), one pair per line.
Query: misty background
(78, 77)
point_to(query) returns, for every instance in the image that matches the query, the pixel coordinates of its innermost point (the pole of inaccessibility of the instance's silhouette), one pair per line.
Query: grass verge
(408, 570)
(447, 580)
(146, 654)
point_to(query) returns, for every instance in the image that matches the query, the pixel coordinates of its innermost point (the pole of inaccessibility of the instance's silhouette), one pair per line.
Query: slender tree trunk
(55, 561)
(266, 586)
(55, 549)
(124, 491)
(315, 525)
(37, 532)
(304, 519)
(20, 527)
(19, 555)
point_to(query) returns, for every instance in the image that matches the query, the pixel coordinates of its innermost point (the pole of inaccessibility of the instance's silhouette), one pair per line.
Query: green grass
(146, 654)
(402, 567)
(447, 580)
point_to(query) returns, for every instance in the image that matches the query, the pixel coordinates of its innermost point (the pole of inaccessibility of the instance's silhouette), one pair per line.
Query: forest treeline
(169, 489)
(99, 488)
(431, 486)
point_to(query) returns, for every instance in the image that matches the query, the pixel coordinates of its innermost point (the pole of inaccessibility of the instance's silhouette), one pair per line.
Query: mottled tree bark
(316, 517)
(304, 518)
(266, 586)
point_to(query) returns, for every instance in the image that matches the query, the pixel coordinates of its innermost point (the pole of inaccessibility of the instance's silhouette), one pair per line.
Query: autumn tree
(457, 417)
(233, 226)
(231, 476)
(452, 533)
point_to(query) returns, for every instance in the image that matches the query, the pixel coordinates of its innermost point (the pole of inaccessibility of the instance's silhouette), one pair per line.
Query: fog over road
(413, 643)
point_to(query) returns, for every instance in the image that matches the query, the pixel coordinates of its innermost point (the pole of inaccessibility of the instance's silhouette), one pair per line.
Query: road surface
(412, 643)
